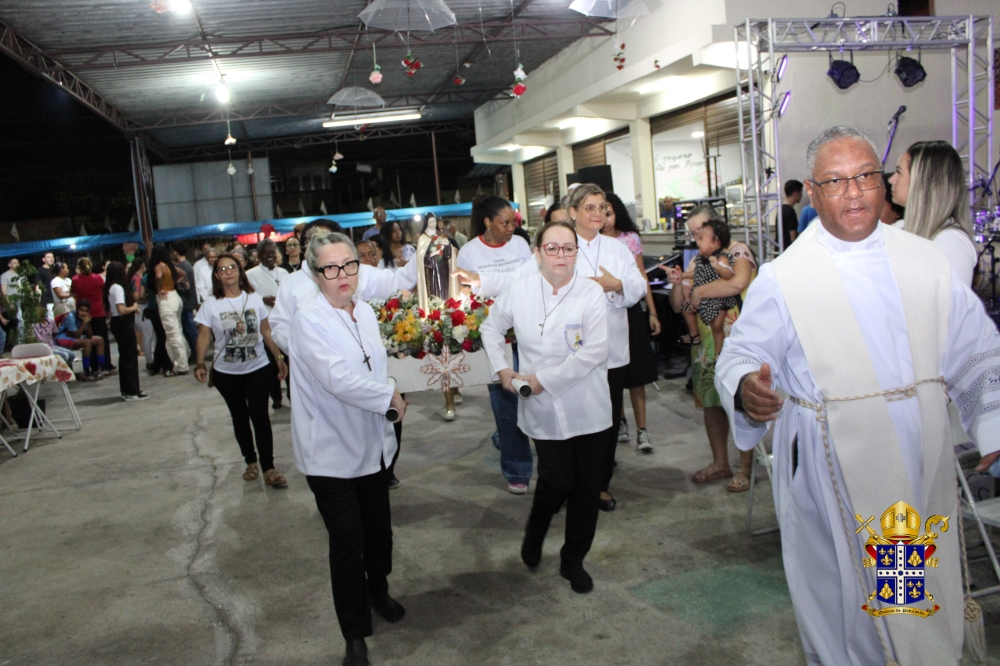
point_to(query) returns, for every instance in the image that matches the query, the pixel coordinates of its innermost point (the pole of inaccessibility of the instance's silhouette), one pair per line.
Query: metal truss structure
(761, 42)
(327, 138)
(327, 41)
(31, 56)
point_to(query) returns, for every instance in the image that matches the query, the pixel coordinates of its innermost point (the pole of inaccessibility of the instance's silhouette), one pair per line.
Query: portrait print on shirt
(242, 335)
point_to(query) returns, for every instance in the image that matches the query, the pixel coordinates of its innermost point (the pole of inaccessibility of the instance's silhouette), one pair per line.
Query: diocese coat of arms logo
(901, 558)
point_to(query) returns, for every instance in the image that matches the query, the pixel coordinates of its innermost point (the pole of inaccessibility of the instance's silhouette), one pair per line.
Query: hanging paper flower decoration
(229, 140)
(231, 170)
(619, 58)
(376, 76)
(656, 64)
(267, 230)
(458, 80)
(161, 6)
(411, 64)
(519, 78)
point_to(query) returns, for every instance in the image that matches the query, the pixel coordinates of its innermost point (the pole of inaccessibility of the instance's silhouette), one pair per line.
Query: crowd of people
(830, 322)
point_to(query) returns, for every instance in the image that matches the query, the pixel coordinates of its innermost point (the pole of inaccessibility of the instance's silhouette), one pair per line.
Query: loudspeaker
(598, 175)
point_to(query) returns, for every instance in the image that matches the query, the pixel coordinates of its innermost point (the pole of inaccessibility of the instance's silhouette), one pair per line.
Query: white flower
(519, 74)
(459, 333)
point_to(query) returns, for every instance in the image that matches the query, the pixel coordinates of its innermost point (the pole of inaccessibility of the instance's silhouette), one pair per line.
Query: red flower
(452, 304)
(475, 305)
(467, 345)
(31, 367)
(392, 304)
(435, 316)
(63, 376)
(423, 315)
(489, 302)
(421, 354)
(438, 336)
(457, 318)
(519, 90)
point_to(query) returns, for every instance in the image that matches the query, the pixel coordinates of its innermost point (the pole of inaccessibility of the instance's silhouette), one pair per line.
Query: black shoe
(579, 580)
(607, 504)
(389, 608)
(276, 405)
(393, 481)
(531, 548)
(357, 653)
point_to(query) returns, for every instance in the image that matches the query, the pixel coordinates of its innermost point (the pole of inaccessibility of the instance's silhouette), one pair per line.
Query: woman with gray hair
(341, 437)
(930, 182)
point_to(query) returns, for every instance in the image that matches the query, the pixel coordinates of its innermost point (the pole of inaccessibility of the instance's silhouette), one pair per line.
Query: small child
(711, 264)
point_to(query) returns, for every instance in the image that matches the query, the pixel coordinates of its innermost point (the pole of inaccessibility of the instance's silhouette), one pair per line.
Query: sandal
(251, 473)
(273, 479)
(711, 473)
(169, 373)
(688, 340)
(740, 483)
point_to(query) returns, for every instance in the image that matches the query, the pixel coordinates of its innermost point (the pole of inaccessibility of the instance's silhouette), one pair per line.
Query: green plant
(26, 300)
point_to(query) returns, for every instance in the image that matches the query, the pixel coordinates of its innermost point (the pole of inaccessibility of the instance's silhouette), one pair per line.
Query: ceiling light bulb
(222, 93)
(230, 141)
(231, 170)
(181, 6)
(360, 121)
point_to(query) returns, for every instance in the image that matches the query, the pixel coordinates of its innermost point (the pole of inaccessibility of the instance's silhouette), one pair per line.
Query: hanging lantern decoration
(376, 76)
(619, 58)
(230, 141)
(519, 78)
(231, 170)
(411, 64)
(656, 64)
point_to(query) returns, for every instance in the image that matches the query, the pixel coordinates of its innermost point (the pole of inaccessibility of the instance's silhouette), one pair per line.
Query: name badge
(573, 335)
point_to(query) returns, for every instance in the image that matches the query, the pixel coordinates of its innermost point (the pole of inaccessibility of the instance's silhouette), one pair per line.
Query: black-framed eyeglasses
(553, 249)
(835, 187)
(332, 271)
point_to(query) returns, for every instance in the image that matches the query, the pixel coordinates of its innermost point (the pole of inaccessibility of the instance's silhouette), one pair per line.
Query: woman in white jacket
(561, 325)
(341, 438)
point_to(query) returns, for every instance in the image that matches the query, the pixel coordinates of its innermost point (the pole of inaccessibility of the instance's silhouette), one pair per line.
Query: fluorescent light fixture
(222, 93)
(181, 6)
(782, 66)
(783, 104)
(697, 135)
(512, 147)
(73, 246)
(661, 84)
(368, 120)
(723, 54)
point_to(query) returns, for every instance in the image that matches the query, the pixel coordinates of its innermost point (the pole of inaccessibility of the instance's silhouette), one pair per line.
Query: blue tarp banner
(83, 244)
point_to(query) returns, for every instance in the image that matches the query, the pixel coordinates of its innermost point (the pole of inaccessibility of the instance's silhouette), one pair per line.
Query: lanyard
(357, 338)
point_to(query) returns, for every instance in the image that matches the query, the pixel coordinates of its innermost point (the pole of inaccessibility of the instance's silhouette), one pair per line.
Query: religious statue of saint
(436, 261)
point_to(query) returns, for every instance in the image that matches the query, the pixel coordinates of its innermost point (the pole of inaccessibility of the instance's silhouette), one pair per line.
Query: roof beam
(32, 57)
(326, 138)
(218, 115)
(329, 41)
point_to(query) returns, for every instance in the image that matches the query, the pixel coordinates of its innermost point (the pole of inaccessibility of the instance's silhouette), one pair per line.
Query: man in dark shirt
(789, 218)
(43, 278)
(189, 295)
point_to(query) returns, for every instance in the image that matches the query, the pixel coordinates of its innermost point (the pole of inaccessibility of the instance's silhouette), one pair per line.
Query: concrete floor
(135, 541)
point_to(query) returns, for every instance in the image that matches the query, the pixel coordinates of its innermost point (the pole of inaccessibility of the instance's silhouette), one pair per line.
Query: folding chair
(986, 512)
(38, 350)
(760, 457)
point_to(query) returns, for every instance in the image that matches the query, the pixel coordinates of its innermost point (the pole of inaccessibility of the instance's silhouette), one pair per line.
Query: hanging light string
(513, 27)
(482, 30)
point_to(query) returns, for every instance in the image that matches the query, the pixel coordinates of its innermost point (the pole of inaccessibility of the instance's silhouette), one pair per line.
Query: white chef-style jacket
(202, 279)
(339, 427)
(617, 260)
(300, 288)
(266, 282)
(568, 355)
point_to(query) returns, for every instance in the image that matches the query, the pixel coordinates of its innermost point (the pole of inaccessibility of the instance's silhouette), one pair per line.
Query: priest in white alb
(868, 333)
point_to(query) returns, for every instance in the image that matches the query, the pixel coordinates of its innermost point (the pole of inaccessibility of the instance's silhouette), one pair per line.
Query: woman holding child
(690, 293)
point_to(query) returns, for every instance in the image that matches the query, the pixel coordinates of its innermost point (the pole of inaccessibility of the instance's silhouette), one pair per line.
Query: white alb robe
(817, 556)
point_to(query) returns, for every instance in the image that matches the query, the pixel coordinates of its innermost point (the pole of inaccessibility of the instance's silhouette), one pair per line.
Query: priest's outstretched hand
(760, 402)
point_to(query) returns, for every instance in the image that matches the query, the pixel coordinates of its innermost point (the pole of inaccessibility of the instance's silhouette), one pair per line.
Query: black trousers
(246, 397)
(398, 429)
(99, 325)
(357, 517)
(569, 471)
(123, 328)
(616, 382)
(161, 359)
(274, 384)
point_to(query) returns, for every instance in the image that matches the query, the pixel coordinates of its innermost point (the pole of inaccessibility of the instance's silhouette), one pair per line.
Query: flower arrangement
(408, 330)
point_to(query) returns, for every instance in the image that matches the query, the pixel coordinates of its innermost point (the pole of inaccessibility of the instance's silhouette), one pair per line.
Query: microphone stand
(893, 125)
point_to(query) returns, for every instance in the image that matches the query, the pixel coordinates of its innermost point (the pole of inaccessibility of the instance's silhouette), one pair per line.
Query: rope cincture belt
(890, 395)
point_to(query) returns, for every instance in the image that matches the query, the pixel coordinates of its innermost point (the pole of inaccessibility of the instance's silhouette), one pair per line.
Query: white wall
(191, 195)
(619, 157)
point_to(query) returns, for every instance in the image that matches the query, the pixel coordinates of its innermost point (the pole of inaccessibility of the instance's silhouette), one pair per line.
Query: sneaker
(623, 432)
(517, 488)
(642, 441)
(135, 398)
(393, 481)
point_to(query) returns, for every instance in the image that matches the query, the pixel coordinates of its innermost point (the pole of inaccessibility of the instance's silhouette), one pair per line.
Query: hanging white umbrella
(616, 9)
(407, 15)
(357, 97)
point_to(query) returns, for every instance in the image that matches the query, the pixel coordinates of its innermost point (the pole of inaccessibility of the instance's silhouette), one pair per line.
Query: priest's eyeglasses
(836, 187)
(332, 271)
(552, 249)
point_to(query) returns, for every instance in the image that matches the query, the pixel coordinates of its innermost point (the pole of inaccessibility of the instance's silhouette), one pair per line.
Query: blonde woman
(930, 181)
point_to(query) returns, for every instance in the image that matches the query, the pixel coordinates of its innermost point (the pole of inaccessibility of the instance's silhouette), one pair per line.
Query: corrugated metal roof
(182, 87)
